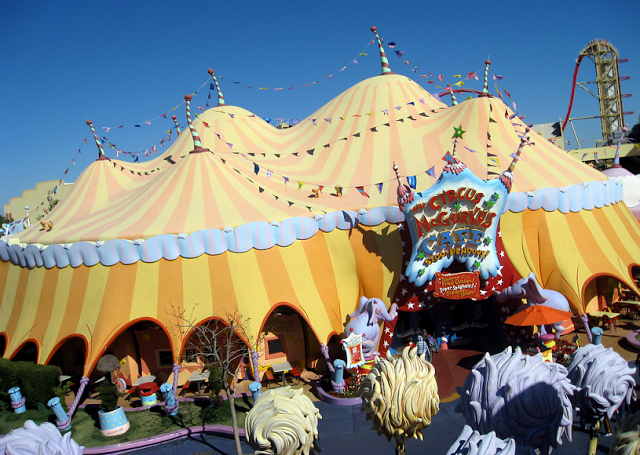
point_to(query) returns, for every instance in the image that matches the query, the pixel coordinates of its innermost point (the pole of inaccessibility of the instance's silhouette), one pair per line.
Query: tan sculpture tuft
(283, 421)
(400, 395)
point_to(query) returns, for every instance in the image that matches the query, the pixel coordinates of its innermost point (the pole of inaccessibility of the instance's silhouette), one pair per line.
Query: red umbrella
(538, 315)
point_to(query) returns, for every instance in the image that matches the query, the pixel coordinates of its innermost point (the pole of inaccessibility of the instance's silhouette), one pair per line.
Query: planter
(113, 423)
(324, 396)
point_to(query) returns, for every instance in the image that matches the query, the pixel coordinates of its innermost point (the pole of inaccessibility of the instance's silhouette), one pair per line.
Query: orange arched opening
(288, 336)
(144, 348)
(70, 355)
(27, 352)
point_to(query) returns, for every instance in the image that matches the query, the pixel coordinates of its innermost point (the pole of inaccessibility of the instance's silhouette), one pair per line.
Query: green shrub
(108, 395)
(36, 382)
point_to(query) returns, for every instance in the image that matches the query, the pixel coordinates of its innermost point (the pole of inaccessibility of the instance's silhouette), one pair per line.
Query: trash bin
(147, 392)
(597, 334)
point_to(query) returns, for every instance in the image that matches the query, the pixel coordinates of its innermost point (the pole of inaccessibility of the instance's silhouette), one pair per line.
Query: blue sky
(126, 62)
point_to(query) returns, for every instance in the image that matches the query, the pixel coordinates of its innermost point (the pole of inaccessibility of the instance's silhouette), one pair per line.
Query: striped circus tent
(237, 225)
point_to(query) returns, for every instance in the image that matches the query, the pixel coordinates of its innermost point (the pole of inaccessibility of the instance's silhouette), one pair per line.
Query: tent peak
(485, 87)
(101, 155)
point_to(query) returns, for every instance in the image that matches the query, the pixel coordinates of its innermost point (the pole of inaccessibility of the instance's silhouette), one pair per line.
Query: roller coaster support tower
(605, 58)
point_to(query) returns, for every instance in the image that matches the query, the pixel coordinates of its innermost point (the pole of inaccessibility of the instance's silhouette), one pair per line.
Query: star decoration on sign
(404, 291)
(458, 132)
(410, 305)
(420, 272)
(420, 256)
(487, 241)
(490, 204)
(457, 206)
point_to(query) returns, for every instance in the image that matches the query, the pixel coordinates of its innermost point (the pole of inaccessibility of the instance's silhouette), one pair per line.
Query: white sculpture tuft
(36, 439)
(519, 396)
(604, 380)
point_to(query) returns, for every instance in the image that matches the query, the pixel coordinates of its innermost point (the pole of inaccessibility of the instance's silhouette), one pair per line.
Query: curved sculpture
(604, 380)
(36, 439)
(471, 442)
(528, 288)
(519, 396)
(364, 321)
(283, 422)
(626, 439)
(400, 395)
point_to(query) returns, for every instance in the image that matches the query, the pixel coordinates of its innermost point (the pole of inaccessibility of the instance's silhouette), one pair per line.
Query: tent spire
(405, 195)
(101, 155)
(197, 145)
(386, 69)
(175, 121)
(454, 100)
(516, 156)
(485, 87)
(215, 81)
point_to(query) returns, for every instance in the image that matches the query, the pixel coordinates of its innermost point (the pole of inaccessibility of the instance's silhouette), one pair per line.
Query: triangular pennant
(374, 130)
(260, 189)
(290, 203)
(362, 191)
(411, 180)
(310, 152)
(379, 186)
(326, 146)
(256, 168)
(300, 185)
(423, 114)
(492, 120)
(400, 120)
(277, 155)
(343, 139)
(296, 154)
(386, 124)
(356, 135)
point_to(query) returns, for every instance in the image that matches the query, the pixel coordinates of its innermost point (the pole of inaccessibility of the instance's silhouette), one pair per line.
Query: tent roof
(350, 142)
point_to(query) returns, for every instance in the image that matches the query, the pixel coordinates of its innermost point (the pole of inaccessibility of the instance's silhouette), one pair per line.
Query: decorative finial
(197, 145)
(101, 155)
(175, 121)
(516, 156)
(405, 195)
(454, 100)
(386, 69)
(215, 81)
(485, 88)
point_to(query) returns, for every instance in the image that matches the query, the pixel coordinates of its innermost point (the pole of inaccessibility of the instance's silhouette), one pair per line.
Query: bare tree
(220, 343)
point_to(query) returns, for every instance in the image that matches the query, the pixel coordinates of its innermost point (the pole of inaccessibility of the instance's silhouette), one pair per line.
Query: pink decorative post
(64, 424)
(405, 195)
(454, 100)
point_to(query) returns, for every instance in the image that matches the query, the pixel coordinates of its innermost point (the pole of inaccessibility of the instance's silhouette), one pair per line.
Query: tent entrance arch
(27, 353)
(70, 357)
(144, 349)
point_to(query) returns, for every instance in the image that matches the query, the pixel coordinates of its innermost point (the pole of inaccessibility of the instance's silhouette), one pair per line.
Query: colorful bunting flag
(411, 180)
(362, 191)
(339, 191)
(379, 186)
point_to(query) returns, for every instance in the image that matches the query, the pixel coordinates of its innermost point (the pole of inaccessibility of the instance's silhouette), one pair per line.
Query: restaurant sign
(456, 219)
(457, 286)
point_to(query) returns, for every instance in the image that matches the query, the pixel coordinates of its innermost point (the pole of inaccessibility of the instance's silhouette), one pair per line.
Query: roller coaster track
(605, 58)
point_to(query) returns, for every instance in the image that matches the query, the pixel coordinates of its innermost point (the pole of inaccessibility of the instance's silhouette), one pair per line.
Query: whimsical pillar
(101, 155)
(405, 195)
(175, 121)
(197, 145)
(256, 389)
(215, 81)
(58, 410)
(170, 403)
(485, 88)
(338, 383)
(516, 156)
(66, 423)
(386, 69)
(325, 352)
(26, 217)
(255, 356)
(17, 400)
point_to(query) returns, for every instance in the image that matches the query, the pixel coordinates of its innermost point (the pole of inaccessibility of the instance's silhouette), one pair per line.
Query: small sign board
(353, 347)
(457, 286)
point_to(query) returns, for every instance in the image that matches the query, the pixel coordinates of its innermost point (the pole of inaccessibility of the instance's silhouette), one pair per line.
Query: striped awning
(567, 251)
(320, 277)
